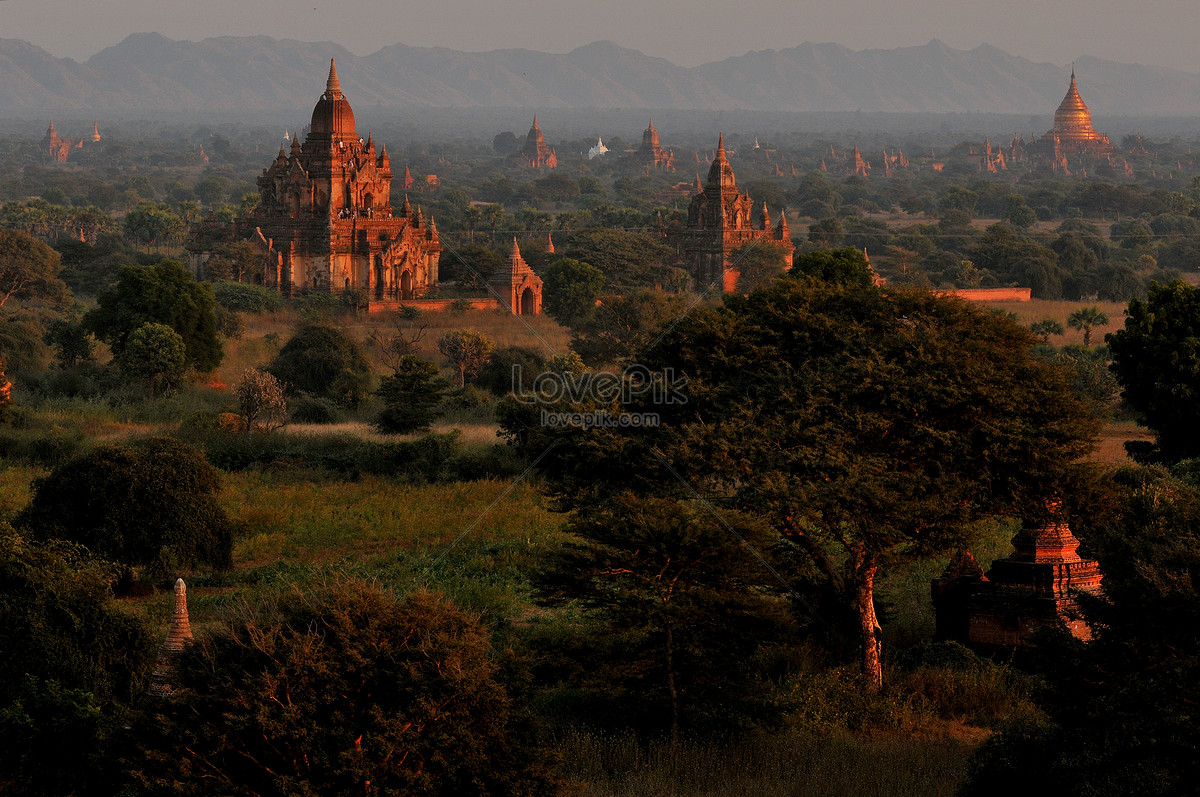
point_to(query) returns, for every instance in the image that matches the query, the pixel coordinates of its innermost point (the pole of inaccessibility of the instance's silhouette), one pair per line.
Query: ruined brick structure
(56, 147)
(651, 154)
(1031, 589)
(720, 221)
(515, 285)
(325, 217)
(535, 152)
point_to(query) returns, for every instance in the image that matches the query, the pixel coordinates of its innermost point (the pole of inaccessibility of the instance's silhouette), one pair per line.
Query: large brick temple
(325, 216)
(720, 220)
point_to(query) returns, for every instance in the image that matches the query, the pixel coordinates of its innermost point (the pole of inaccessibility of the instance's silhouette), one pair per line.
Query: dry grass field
(1059, 310)
(265, 333)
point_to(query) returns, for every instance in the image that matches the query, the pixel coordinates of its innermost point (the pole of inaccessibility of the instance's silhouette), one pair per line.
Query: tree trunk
(865, 566)
(671, 685)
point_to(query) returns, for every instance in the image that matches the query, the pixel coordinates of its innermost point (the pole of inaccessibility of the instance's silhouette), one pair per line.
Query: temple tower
(720, 220)
(535, 152)
(1032, 588)
(325, 216)
(651, 153)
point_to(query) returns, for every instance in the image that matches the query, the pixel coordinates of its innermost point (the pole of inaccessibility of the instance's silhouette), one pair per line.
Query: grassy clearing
(767, 765)
(1042, 309)
(1110, 447)
(302, 520)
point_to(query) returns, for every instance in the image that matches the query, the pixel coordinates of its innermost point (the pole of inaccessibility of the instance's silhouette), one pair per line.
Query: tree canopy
(854, 420)
(73, 659)
(29, 269)
(343, 690)
(571, 288)
(323, 360)
(165, 293)
(1156, 358)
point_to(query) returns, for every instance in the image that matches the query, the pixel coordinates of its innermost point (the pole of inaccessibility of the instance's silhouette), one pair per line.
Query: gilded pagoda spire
(1073, 124)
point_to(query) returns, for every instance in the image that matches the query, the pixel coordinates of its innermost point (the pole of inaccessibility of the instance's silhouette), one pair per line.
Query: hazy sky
(688, 32)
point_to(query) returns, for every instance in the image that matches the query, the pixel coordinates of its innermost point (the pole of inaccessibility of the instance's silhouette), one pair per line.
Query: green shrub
(325, 361)
(308, 408)
(318, 304)
(151, 505)
(242, 298)
(423, 460)
(47, 448)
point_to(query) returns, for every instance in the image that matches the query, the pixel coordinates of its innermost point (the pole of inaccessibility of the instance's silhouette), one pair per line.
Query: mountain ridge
(151, 72)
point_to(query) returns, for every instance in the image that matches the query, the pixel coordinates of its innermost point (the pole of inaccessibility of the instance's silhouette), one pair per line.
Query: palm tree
(1044, 329)
(494, 214)
(471, 218)
(1085, 318)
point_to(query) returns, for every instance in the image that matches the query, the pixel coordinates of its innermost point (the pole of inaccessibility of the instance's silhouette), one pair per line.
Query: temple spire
(332, 86)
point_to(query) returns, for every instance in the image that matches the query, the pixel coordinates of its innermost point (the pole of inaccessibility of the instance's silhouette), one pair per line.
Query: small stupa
(162, 681)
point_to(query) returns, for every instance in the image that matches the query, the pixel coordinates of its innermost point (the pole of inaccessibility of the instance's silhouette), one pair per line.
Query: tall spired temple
(719, 222)
(651, 153)
(325, 217)
(1073, 132)
(535, 152)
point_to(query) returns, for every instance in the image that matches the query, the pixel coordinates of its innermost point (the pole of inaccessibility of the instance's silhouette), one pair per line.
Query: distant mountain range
(148, 72)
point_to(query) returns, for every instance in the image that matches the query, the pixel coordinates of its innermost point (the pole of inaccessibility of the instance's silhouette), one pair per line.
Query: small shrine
(1035, 587)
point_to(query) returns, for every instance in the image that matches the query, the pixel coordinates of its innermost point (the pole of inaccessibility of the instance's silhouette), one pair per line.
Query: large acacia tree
(855, 420)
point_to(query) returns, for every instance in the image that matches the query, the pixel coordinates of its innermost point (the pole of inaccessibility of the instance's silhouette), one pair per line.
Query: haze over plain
(686, 32)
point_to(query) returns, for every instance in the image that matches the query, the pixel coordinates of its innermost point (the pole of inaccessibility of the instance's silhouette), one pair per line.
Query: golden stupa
(1073, 126)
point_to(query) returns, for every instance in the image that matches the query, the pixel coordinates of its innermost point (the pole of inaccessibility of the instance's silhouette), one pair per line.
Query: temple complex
(55, 146)
(651, 154)
(720, 221)
(1073, 133)
(325, 217)
(515, 285)
(535, 152)
(1031, 589)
